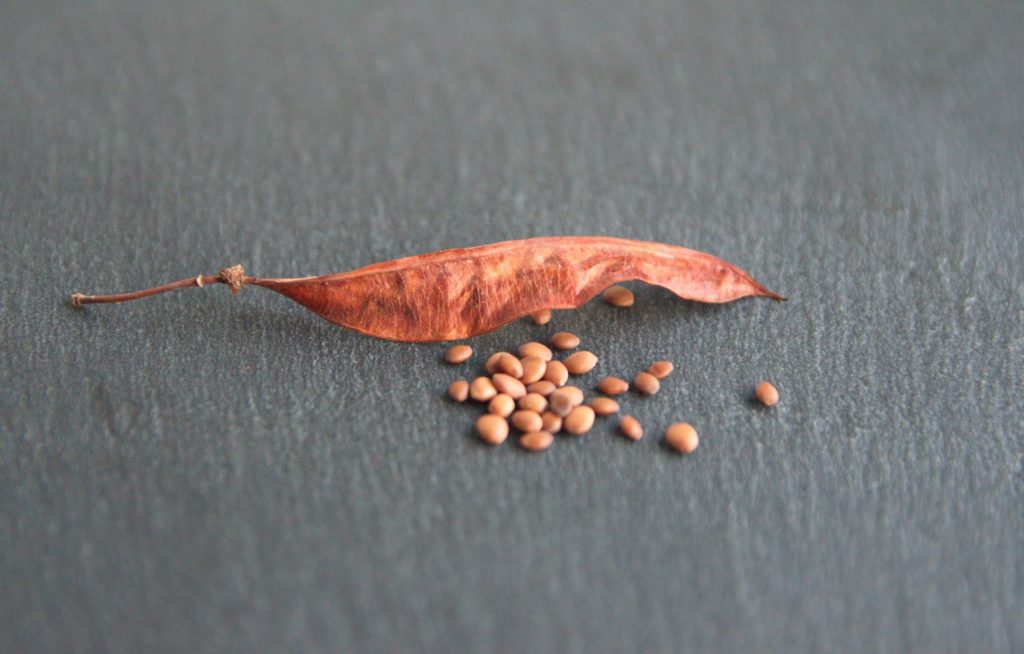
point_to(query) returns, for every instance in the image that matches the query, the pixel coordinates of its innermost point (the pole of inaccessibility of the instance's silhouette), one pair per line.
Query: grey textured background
(205, 473)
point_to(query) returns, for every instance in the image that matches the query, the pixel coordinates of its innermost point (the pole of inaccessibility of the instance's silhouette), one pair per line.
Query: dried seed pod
(536, 441)
(631, 428)
(542, 387)
(534, 349)
(458, 390)
(502, 405)
(541, 317)
(534, 402)
(682, 437)
(526, 421)
(458, 354)
(482, 390)
(552, 422)
(613, 386)
(492, 428)
(565, 341)
(618, 296)
(510, 365)
(579, 421)
(533, 369)
(646, 383)
(604, 406)
(766, 394)
(565, 399)
(508, 384)
(660, 369)
(491, 365)
(581, 362)
(556, 373)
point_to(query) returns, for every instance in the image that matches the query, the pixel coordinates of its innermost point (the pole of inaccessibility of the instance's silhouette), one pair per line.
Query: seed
(661, 369)
(542, 387)
(533, 369)
(631, 428)
(492, 428)
(534, 402)
(459, 390)
(581, 363)
(482, 390)
(618, 296)
(510, 365)
(501, 405)
(766, 394)
(508, 384)
(565, 341)
(552, 422)
(536, 441)
(541, 317)
(682, 437)
(565, 400)
(527, 421)
(613, 386)
(646, 383)
(604, 406)
(579, 421)
(491, 366)
(556, 373)
(535, 349)
(458, 354)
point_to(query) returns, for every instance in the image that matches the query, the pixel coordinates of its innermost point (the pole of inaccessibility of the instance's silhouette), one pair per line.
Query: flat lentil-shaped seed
(579, 421)
(556, 373)
(646, 383)
(604, 406)
(492, 428)
(631, 428)
(502, 405)
(660, 369)
(552, 422)
(613, 386)
(536, 441)
(534, 402)
(581, 363)
(533, 369)
(542, 387)
(534, 349)
(565, 399)
(509, 364)
(482, 390)
(618, 296)
(565, 341)
(526, 421)
(458, 354)
(458, 390)
(766, 394)
(491, 365)
(541, 317)
(682, 437)
(508, 384)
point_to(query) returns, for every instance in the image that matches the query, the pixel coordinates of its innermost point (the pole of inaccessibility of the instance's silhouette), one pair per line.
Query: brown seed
(491, 366)
(661, 369)
(682, 437)
(618, 296)
(492, 428)
(565, 400)
(510, 365)
(534, 402)
(579, 421)
(581, 363)
(565, 341)
(502, 405)
(766, 394)
(541, 317)
(631, 428)
(536, 441)
(533, 369)
(527, 421)
(552, 422)
(535, 349)
(542, 387)
(482, 390)
(604, 406)
(458, 354)
(613, 386)
(556, 373)
(508, 384)
(646, 383)
(459, 390)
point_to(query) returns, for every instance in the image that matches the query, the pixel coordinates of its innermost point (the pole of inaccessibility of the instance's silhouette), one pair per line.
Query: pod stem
(234, 277)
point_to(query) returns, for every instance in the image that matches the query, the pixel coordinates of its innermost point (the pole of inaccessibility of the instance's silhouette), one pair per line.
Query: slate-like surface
(206, 473)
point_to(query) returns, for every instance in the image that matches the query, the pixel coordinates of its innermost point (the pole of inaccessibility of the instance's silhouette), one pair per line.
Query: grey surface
(206, 473)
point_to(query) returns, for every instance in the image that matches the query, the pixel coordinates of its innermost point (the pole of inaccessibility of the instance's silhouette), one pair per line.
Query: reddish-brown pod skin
(459, 293)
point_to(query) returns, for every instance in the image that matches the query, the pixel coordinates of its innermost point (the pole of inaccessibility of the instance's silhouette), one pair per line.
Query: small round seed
(542, 387)
(579, 421)
(565, 341)
(527, 421)
(552, 422)
(613, 386)
(661, 369)
(533, 369)
(541, 317)
(604, 406)
(491, 366)
(581, 363)
(508, 384)
(492, 428)
(510, 365)
(682, 437)
(766, 394)
(502, 405)
(535, 349)
(482, 390)
(646, 383)
(458, 354)
(536, 441)
(534, 402)
(459, 390)
(565, 400)
(618, 296)
(556, 373)
(631, 428)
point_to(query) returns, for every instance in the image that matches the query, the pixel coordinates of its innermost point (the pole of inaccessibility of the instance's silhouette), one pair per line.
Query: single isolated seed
(510, 365)
(492, 428)
(536, 441)
(534, 349)
(527, 421)
(556, 373)
(565, 341)
(767, 394)
(541, 317)
(660, 369)
(502, 405)
(482, 390)
(604, 406)
(618, 296)
(579, 421)
(631, 428)
(458, 390)
(458, 354)
(646, 383)
(542, 387)
(534, 402)
(682, 437)
(565, 399)
(613, 386)
(533, 369)
(508, 384)
(552, 422)
(581, 363)
(491, 365)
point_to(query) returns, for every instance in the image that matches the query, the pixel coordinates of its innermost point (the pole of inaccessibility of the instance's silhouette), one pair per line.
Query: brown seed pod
(510, 365)
(458, 354)
(508, 384)
(541, 317)
(565, 341)
(526, 421)
(552, 422)
(613, 386)
(534, 349)
(556, 373)
(604, 406)
(565, 399)
(536, 441)
(660, 369)
(581, 362)
(542, 387)
(579, 421)
(458, 390)
(631, 428)
(492, 428)
(482, 390)
(646, 383)
(766, 394)
(502, 405)
(618, 296)
(491, 365)
(682, 437)
(534, 402)
(533, 369)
